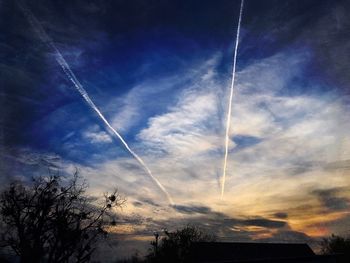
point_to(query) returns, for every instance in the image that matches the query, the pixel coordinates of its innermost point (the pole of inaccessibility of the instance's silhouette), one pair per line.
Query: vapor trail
(71, 76)
(228, 121)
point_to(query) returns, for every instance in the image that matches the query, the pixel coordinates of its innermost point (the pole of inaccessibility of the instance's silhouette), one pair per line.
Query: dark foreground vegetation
(50, 220)
(175, 246)
(337, 245)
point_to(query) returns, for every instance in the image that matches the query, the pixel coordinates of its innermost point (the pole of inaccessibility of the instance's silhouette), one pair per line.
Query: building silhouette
(234, 252)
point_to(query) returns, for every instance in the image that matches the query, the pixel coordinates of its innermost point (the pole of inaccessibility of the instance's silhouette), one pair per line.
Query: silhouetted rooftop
(246, 252)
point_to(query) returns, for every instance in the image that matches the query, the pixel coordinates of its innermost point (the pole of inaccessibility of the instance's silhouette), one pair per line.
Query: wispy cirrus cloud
(95, 135)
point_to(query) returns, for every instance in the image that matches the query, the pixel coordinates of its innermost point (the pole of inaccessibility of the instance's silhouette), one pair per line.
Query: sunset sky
(160, 73)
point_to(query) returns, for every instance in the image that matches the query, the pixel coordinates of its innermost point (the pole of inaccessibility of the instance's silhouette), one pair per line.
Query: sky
(160, 73)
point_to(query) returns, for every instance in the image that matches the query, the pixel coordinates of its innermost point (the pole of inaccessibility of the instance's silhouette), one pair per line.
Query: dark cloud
(339, 165)
(208, 220)
(263, 222)
(145, 201)
(298, 170)
(280, 215)
(301, 166)
(133, 219)
(256, 221)
(193, 209)
(137, 203)
(130, 166)
(331, 199)
(212, 217)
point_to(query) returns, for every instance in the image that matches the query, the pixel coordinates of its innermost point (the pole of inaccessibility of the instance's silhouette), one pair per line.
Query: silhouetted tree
(175, 246)
(337, 245)
(52, 221)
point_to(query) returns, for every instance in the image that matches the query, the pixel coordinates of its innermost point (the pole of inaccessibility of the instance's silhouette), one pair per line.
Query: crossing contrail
(71, 76)
(228, 121)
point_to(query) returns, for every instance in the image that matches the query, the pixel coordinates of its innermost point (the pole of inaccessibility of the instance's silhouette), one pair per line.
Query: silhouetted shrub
(175, 246)
(337, 245)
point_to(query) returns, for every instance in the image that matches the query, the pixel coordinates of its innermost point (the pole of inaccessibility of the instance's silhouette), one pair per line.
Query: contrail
(228, 122)
(71, 76)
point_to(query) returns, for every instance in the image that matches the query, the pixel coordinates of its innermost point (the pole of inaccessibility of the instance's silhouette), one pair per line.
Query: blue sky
(160, 73)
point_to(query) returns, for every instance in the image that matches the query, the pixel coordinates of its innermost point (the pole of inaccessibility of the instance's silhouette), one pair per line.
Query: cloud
(192, 209)
(267, 223)
(281, 215)
(331, 199)
(192, 121)
(180, 130)
(95, 135)
(145, 201)
(137, 105)
(342, 165)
